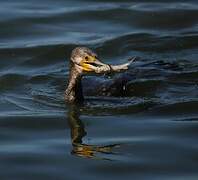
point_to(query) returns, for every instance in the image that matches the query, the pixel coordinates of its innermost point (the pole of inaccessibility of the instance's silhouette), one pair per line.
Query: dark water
(142, 124)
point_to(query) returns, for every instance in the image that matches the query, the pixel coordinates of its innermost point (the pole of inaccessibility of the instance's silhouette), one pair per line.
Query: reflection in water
(77, 134)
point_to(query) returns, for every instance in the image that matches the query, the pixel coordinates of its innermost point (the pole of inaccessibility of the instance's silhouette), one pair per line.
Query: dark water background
(142, 124)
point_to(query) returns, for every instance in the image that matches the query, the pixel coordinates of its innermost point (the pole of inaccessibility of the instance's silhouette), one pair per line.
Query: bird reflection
(78, 132)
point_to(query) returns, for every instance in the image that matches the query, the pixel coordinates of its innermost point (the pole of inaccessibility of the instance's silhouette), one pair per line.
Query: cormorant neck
(73, 93)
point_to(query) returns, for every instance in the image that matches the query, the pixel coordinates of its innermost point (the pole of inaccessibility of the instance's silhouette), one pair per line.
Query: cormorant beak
(92, 65)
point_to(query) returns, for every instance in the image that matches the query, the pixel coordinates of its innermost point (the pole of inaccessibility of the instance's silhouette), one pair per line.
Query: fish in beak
(92, 64)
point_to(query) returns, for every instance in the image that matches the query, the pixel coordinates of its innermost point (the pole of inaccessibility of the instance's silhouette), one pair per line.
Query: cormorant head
(85, 60)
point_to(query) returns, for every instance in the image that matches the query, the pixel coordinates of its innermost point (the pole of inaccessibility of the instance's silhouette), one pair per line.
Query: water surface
(141, 124)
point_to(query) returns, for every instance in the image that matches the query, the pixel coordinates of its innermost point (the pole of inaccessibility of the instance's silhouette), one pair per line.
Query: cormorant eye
(86, 58)
(95, 57)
